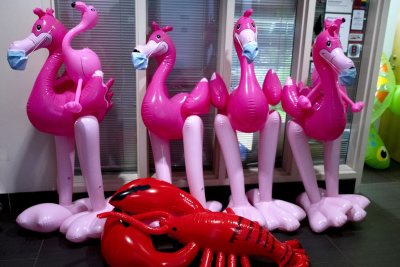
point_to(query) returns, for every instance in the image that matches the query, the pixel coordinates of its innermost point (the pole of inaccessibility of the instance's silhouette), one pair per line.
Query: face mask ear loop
(237, 38)
(41, 41)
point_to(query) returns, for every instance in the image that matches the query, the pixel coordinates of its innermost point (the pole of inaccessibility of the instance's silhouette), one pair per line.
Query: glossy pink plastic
(80, 64)
(319, 112)
(171, 118)
(246, 109)
(47, 113)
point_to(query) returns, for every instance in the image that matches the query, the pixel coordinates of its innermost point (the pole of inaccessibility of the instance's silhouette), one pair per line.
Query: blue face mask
(139, 60)
(250, 51)
(17, 59)
(347, 76)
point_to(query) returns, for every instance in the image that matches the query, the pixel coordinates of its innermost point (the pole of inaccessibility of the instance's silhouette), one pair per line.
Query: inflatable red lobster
(147, 206)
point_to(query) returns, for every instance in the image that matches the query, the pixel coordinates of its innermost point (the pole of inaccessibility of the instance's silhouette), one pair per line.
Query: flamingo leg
(88, 146)
(207, 258)
(78, 90)
(193, 150)
(230, 149)
(162, 157)
(331, 167)
(267, 152)
(65, 153)
(84, 225)
(301, 153)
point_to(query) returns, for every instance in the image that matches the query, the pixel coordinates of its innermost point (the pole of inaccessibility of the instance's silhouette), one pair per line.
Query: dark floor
(373, 242)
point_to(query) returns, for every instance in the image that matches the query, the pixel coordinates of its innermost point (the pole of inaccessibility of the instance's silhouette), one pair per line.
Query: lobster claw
(125, 245)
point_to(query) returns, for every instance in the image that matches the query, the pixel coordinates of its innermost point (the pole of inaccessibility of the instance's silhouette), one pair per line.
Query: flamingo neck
(247, 72)
(81, 27)
(158, 82)
(328, 78)
(44, 84)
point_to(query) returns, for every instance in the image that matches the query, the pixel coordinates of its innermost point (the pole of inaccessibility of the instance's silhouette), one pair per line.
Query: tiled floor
(373, 242)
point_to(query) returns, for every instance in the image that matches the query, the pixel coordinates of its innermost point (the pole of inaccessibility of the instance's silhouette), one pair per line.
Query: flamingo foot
(247, 211)
(278, 214)
(214, 206)
(327, 212)
(73, 107)
(357, 107)
(48, 217)
(357, 212)
(84, 225)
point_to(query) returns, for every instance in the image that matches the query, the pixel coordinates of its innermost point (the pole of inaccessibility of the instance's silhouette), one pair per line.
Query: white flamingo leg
(331, 165)
(162, 157)
(322, 212)
(48, 217)
(193, 150)
(278, 214)
(86, 224)
(65, 151)
(230, 149)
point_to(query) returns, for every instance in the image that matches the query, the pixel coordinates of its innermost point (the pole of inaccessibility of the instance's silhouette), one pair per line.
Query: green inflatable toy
(377, 155)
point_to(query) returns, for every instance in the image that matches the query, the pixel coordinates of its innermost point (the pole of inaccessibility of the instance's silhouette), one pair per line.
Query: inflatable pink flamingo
(319, 113)
(246, 110)
(80, 64)
(173, 118)
(47, 113)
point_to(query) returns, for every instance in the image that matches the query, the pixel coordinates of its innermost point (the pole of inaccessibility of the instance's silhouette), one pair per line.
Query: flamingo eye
(158, 36)
(38, 27)
(238, 26)
(253, 24)
(328, 44)
(93, 9)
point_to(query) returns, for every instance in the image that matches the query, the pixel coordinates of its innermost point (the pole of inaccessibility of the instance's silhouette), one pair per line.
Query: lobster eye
(38, 27)
(328, 44)
(158, 36)
(238, 26)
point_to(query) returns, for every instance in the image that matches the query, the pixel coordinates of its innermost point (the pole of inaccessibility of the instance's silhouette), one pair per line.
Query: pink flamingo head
(158, 45)
(47, 32)
(327, 49)
(245, 36)
(90, 16)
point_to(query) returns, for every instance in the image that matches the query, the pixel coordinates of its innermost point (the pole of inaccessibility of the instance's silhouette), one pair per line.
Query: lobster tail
(291, 99)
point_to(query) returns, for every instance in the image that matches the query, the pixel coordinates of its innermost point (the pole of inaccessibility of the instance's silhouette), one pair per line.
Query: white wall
(27, 157)
(393, 19)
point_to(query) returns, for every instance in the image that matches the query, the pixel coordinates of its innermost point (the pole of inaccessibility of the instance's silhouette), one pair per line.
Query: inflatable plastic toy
(377, 155)
(171, 118)
(319, 113)
(246, 110)
(80, 64)
(47, 112)
(126, 240)
(389, 121)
